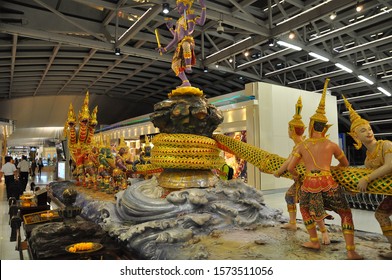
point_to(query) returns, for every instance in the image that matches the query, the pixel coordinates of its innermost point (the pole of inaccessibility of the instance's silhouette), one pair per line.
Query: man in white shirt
(24, 168)
(10, 175)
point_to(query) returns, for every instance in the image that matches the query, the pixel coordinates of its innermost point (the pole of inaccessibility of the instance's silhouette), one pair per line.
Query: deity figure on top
(379, 159)
(184, 56)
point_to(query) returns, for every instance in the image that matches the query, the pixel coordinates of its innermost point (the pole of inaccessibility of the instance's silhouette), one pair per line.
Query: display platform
(232, 222)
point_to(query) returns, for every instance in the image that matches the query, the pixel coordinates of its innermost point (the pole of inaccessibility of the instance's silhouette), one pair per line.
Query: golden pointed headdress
(320, 116)
(122, 144)
(188, 3)
(356, 121)
(93, 117)
(71, 114)
(297, 118)
(101, 142)
(84, 114)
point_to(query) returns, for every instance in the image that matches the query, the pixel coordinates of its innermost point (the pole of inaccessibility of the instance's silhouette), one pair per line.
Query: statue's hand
(362, 185)
(161, 50)
(202, 3)
(169, 25)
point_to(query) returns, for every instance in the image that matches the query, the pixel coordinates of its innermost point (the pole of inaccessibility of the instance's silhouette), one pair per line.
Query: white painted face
(364, 133)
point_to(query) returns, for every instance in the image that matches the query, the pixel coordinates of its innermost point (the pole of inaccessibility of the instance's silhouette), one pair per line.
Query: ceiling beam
(13, 57)
(85, 60)
(55, 51)
(80, 42)
(68, 20)
(149, 15)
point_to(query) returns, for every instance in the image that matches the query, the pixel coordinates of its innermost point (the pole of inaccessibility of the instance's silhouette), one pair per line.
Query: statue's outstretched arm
(202, 19)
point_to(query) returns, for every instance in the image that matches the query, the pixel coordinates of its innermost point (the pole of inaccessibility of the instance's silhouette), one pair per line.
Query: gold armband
(350, 247)
(341, 156)
(314, 239)
(204, 8)
(388, 151)
(296, 155)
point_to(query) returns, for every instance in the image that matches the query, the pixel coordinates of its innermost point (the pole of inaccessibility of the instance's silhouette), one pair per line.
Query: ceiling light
(333, 16)
(165, 8)
(359, 7)
(205, 69)
(344, 68)
(387, 93)
(246, 53)
(271, 42)
(220, 29)
(282, 43)
(291, 35)
(217, 65)
(363, 78)
(318, 56)
(117, 51)
(231, 60)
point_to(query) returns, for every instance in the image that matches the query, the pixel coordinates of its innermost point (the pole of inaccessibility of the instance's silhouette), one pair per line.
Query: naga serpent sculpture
(347, 177)
(187, 142)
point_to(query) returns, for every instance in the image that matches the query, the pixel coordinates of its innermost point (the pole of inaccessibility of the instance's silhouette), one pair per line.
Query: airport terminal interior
(128, 111)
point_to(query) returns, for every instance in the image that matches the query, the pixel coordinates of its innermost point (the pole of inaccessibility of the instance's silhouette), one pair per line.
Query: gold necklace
(373, 155)
(315, 140)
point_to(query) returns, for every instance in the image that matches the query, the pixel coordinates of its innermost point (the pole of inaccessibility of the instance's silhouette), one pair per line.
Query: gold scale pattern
(185, 151)
(347, 177)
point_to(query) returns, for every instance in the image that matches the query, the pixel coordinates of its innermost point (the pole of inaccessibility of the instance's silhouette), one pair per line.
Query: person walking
(24, 168)
(33, 167)
(10, 176)
(40, 165)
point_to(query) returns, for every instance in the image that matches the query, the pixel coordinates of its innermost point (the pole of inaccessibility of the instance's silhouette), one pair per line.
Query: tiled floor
(7, 248)
(364, 220)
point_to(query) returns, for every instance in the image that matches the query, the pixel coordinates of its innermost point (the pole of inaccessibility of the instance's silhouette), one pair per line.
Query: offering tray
(41, 217)
(95, 247)
(27, 196)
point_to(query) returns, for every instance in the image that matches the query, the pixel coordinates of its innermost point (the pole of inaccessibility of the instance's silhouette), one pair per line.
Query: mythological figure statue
(296, 130)
(184, 56)
(319, 190)
(79, 143)
(121, 170)
(379, 159)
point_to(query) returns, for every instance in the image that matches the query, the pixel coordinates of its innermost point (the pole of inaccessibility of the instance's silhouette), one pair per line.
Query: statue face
(364, 133)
